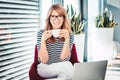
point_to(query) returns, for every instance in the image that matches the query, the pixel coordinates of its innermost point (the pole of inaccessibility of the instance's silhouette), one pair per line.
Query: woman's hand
(46, 34)
(64, 33)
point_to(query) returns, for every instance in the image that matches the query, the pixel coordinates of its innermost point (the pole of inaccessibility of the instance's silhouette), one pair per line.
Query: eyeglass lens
(53, 17)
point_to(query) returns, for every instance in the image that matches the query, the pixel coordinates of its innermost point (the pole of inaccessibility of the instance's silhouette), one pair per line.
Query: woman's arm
(43, 53)
(66, 48)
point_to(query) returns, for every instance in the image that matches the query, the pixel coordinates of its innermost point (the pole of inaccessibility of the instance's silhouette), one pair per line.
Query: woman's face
(56, 20)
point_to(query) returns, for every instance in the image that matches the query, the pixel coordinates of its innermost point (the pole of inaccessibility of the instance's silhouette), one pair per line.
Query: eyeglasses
(53, 17)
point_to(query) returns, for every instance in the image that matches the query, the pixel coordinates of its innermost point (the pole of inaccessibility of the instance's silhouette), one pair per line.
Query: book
(117, 56)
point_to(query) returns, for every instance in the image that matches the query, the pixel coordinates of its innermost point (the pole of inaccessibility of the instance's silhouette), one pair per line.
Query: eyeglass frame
(54, 17)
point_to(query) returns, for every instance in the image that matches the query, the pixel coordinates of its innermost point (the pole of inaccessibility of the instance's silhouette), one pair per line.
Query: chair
(33, 75)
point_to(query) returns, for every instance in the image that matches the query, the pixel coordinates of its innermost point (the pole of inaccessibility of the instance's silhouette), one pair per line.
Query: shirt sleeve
(71, 40)
(39, 36)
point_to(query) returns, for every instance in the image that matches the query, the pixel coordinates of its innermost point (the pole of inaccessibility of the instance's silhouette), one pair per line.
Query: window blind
(19, 21)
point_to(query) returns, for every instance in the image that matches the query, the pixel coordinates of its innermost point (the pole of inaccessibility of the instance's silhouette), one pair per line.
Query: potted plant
(102, 35)
(105, 21)
(77, 27)
(105, 25)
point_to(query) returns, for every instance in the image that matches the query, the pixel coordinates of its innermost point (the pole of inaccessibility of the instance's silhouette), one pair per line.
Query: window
(75, 4)
(45, 5)
(92, 13)
(19, 20)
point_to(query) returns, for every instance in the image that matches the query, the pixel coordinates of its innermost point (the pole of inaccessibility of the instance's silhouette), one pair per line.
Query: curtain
(19, 21)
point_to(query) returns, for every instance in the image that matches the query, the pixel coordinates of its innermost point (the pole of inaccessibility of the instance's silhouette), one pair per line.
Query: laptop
(90, 70)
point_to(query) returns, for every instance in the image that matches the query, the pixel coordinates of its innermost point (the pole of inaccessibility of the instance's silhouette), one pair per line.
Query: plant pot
(79, 40)
(102, 43)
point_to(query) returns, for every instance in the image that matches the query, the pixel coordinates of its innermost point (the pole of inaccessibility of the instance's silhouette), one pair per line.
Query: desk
(112, 73)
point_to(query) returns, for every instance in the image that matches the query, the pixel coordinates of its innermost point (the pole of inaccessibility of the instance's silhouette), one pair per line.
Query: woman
(55, 52)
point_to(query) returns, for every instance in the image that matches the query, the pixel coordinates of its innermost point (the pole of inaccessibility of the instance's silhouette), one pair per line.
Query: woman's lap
(55, 69)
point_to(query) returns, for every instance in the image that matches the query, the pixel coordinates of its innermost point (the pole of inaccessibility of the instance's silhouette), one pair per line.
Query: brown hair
(61, 11)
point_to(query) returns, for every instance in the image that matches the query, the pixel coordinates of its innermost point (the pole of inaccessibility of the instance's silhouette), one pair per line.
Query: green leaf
(77, 25)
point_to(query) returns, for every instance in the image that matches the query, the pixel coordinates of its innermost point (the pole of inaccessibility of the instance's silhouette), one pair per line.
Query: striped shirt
(54, 49)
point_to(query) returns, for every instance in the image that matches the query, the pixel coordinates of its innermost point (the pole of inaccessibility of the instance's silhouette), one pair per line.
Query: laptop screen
(90, 70)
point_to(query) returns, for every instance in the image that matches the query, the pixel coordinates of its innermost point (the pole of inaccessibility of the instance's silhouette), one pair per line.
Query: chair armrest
(74, 58)
(33, 75)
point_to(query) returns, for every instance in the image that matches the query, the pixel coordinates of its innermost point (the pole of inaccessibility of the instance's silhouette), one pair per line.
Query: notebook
(90, 70)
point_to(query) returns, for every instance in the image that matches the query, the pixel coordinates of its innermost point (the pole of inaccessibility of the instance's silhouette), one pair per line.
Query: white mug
(55, 32)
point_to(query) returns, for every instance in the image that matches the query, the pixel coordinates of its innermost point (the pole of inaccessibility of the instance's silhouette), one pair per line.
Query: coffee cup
(55, 32)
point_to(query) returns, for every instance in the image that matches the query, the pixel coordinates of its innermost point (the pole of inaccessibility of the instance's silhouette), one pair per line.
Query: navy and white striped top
(54, 49)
